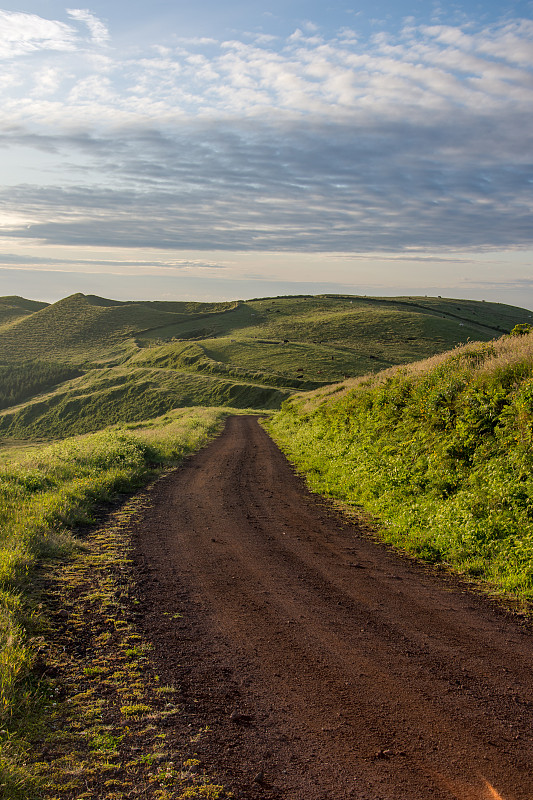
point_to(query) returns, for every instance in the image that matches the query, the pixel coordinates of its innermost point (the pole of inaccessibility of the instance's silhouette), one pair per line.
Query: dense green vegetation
(135, 360)
(46, 494)
(441, 452)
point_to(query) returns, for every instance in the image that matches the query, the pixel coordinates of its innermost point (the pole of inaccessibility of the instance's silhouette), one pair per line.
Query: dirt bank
(320, 664)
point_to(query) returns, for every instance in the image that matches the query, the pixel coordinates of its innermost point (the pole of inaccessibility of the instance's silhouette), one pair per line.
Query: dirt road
(319, 664)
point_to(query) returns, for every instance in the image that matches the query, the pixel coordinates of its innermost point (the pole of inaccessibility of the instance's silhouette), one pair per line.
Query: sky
(219, 150)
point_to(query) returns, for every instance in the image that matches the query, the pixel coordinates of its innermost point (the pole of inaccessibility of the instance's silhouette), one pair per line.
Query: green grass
(13, 308)
(139, 359)
(330, 337)
(110, 396)
(19, 382)
(193, 356)
(46, 494)
(441, 452)
(87, 330)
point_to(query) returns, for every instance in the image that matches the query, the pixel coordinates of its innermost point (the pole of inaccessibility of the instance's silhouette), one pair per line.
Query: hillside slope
(80, 329)
(441, 452)
(112, 396)
(131, 360)
(14, 307)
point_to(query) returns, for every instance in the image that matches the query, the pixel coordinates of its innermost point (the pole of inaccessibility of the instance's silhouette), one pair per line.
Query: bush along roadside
(441, 453)
(63, 598)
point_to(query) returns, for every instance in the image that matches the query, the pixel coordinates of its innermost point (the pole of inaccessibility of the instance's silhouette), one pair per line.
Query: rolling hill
(13, 308)
(85, 362)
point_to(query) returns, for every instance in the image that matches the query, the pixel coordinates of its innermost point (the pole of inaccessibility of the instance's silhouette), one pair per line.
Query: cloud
(27, 33)
(285, 187)
(422, 69)
(99, 32)
(24, 34)
(110, 266)
(418, 140)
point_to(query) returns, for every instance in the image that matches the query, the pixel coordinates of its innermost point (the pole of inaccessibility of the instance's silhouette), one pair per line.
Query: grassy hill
(85, 362)
(84, 329)
(440, 451)
(13, 308)
(111, 396)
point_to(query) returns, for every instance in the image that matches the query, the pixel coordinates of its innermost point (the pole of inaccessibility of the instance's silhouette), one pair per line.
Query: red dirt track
(319, 664)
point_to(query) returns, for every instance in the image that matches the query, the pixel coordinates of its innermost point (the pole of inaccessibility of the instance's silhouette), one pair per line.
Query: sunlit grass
(82, 328)
(111, 396)
(46, 494)
(440, 451)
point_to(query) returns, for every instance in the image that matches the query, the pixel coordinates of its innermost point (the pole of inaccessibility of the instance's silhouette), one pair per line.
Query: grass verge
(113, 729)
(441, 452)
(63, 598)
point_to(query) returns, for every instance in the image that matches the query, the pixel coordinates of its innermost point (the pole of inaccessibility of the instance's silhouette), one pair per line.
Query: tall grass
(45, 496)
(441, 452)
